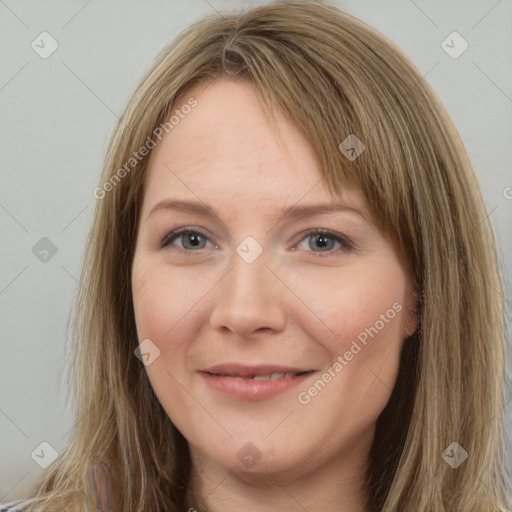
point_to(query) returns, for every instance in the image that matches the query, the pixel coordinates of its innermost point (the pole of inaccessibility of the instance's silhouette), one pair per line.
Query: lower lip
(249, 389)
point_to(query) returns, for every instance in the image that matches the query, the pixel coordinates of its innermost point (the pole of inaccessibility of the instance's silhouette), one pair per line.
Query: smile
(254, 387)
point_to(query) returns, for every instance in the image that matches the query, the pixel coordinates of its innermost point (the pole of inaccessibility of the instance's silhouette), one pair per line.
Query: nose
(249, 299)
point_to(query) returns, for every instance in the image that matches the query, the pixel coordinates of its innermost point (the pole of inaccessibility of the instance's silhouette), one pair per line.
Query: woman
(220, 363)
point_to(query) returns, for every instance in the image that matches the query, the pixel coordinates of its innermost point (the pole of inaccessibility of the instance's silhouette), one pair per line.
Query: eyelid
(175, 233)
(347, 245)
(344, 240)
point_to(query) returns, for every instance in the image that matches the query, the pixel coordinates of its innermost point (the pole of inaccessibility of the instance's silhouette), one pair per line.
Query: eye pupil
(321, 240)
(193, 238)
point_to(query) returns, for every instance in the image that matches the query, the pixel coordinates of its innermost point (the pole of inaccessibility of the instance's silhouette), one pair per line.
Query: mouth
(259, 376)
(258, 372)
(253, 382)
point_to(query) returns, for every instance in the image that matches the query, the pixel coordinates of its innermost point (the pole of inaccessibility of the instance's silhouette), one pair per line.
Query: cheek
(152, 304)
(364, 303)
(162, 314)
(361, 311)
(163, 300)
(171, 309)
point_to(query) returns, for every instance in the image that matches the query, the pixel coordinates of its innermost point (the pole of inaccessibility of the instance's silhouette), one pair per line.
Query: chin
(259, 457)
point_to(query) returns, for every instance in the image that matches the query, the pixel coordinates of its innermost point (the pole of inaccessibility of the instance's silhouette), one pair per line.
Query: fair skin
(300, 303)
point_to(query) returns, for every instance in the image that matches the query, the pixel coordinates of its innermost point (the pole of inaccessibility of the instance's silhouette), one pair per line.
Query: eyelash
(346, 243)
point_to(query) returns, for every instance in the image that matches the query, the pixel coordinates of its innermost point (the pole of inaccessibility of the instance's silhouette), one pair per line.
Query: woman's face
(250, 292)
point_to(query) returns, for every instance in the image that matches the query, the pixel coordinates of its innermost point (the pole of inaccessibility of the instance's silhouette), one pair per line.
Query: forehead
(225, 149)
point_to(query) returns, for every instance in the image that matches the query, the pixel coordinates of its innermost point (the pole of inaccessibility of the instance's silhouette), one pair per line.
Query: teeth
(271, 376)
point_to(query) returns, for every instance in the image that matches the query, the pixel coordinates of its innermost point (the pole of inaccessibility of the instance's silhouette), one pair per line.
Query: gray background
(57, 114)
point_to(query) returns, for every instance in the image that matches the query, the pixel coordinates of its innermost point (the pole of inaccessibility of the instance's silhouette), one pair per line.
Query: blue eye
(324, 237)
(194, 240)
(188, 236)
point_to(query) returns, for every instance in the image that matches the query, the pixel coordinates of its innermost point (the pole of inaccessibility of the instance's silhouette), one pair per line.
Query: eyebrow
(291, 212)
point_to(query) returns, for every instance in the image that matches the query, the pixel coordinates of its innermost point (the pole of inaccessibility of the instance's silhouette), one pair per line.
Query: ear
(102, 480)
(411, 313)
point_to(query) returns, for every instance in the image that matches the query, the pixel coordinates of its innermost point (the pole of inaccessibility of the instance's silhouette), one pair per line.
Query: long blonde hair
(334, 76)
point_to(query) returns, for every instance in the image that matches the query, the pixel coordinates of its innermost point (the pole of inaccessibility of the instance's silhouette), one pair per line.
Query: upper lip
(246, 371)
